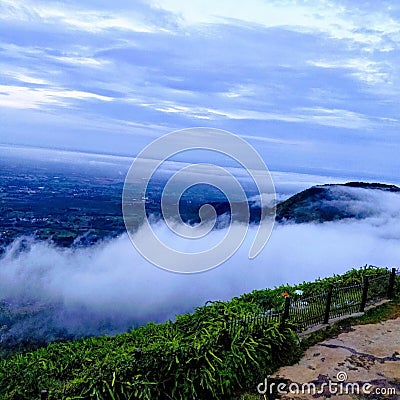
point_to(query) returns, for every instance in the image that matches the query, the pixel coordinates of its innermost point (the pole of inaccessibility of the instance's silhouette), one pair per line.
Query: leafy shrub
(195, 357)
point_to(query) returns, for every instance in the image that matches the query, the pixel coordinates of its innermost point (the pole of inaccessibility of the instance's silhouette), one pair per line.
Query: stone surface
(368, 354)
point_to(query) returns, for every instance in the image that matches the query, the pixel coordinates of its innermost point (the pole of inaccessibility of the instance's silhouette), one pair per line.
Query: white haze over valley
(109, 287)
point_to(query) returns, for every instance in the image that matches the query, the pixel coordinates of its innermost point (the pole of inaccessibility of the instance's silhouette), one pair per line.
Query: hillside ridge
(329, 202)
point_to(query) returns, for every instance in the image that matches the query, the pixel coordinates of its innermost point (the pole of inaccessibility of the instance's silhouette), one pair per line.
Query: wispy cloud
(291, 72)
(24, 97)
(333, 18)
(73, 16)
(321, 116)
(371, 72)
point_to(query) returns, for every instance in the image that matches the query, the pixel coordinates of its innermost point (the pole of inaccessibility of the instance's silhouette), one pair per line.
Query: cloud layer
(308, 83)
(109, 287)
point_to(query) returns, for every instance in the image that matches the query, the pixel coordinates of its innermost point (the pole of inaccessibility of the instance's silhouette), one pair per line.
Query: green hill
(331, 202)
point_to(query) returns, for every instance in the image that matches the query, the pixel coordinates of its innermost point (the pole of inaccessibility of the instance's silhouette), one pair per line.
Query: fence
(307, 312)
(253, 321)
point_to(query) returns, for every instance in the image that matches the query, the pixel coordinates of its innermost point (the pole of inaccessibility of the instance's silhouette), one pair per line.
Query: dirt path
(368, 356)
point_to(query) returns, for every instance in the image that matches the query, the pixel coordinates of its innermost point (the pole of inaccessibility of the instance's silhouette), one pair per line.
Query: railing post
(43, 395)
(226, 323)
(328, 304)
(286, 311)
(364, 294)
(391, 283)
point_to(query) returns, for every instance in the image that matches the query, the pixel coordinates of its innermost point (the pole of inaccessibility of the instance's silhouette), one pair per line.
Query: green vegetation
(195, 357)
(180, 361)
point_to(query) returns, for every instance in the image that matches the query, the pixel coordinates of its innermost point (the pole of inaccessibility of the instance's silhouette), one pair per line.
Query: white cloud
(253, 11)
(25, 77)
(289, 142)
(371, 72)
(336, 117)
(72, 16)
(83, 61)
(24, 97)
(327, 17)
(318, 115)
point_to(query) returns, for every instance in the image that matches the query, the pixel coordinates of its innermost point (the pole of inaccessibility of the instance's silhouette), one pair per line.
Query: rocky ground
(367, 356)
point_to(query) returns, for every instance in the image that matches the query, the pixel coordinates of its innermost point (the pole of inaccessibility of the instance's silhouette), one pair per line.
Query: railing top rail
(358, 286)
(310, 298)
(383, 276)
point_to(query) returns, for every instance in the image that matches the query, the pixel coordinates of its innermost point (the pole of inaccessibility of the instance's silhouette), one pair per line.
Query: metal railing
(253, 320)
(304, 313)
(338, 301)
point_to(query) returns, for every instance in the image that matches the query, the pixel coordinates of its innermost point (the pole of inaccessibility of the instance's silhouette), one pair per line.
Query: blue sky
(313, 86)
